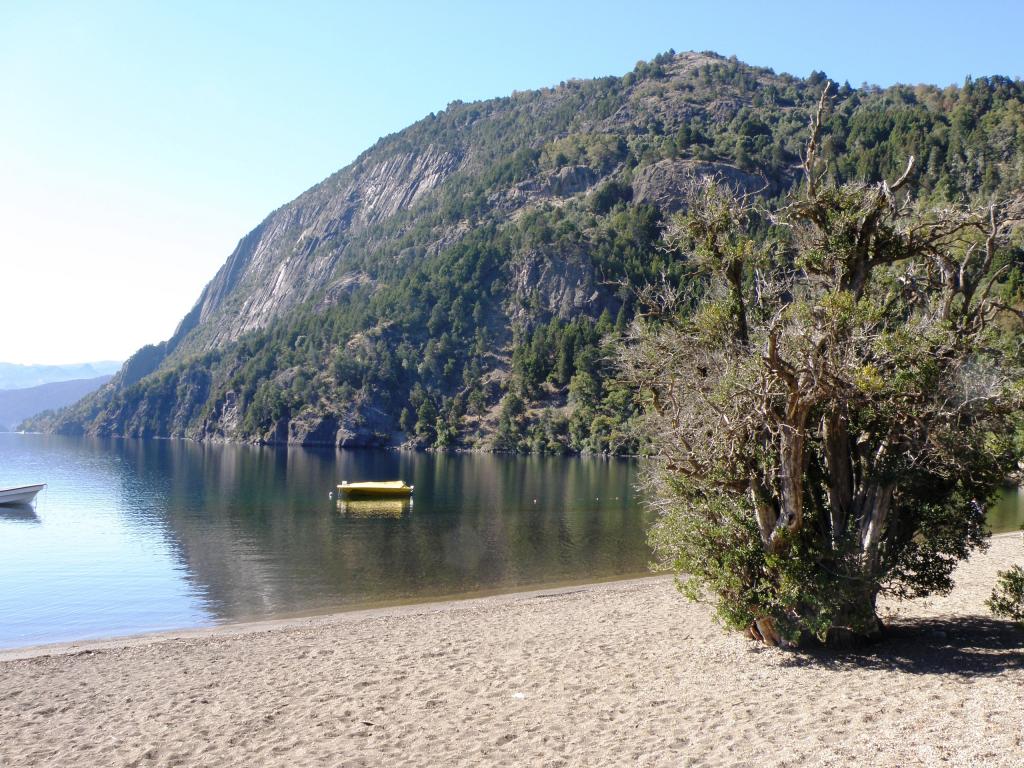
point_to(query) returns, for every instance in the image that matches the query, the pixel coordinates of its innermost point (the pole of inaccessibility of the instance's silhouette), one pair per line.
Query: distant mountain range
(15, 376)
(16, 405)
(453, 285)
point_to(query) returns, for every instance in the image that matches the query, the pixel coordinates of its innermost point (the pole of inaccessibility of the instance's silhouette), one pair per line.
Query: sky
(139, 141)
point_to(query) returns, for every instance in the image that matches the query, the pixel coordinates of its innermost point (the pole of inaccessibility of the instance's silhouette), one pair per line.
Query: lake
(142, 535)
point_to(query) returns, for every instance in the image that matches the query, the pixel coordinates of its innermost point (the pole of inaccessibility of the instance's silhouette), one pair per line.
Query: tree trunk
(839, 465)
(792, 447)
(874, 514)
(767, 515)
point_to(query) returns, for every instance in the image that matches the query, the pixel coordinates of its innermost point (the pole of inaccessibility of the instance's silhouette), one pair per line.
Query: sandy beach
(621, 673)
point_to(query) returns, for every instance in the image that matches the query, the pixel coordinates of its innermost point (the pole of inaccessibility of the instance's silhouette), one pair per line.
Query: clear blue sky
(140, 140)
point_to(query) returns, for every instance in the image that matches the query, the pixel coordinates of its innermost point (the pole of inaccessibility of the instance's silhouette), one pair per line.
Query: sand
(622, 673)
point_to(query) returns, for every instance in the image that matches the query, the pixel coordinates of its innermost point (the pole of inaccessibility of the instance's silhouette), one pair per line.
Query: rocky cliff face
(561, 286)
(294, 253)
(660, 183)
(297, 252)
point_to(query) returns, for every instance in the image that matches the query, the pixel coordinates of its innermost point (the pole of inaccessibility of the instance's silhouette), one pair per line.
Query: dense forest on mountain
(462, 282)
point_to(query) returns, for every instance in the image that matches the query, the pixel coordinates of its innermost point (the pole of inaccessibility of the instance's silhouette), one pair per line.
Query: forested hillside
(458, 284)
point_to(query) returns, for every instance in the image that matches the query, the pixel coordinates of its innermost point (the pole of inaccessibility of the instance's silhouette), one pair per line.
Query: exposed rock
(294, 252)
(664, 183)
(224, 422)
(569, 181)
(369, 428)
(360, 426)
(561, 284)
(724, 110)
(398, 182)
(343, 286)
(311, 427)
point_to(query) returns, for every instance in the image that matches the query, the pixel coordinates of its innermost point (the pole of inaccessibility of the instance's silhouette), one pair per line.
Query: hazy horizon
(63, 363)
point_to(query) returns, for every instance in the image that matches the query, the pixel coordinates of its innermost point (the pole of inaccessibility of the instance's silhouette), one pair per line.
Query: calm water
(140, 535)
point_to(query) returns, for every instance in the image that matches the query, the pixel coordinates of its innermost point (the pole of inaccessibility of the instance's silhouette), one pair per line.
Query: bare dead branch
(903, 179)
(811, 155)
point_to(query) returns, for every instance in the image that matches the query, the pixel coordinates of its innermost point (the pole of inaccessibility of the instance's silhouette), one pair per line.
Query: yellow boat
(385, 488)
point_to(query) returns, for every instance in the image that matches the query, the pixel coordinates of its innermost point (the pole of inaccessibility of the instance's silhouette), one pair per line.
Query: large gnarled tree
(833, 406)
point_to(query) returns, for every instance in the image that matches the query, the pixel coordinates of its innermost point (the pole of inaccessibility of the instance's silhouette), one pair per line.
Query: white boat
(23, 494)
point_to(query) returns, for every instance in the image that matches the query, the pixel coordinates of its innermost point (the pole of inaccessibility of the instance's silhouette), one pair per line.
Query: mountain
(14, 376)
(16, 405)
(455, 284)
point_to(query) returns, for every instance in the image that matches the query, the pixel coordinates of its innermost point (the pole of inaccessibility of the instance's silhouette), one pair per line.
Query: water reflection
(148, 534)
(374, 507)
(266, 542)
(18, 513)
(1007, 514)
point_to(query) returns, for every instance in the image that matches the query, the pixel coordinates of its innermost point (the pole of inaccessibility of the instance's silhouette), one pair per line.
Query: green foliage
(600, 151)
(715, 542)
(1007, 600)
(426, 419)
(508, 436)
(830, 427)
(607, 196)
(405, 422)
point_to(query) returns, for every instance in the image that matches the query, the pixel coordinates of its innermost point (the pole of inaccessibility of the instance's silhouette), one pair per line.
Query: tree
(426, 419)
(1007, 598)
(509, 432)
(405, 422)
(835, 413)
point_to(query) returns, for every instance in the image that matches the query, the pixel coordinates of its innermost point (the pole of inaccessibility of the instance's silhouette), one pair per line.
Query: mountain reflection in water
(137, 535)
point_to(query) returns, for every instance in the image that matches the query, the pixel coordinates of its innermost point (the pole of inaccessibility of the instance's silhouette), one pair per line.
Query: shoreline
(328, 617)
(332, 616)
(624, 672)
(405, 447)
